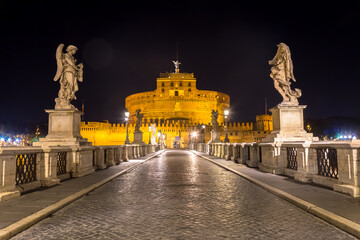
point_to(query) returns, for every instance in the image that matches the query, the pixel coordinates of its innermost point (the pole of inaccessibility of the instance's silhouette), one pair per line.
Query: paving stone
(180, 196)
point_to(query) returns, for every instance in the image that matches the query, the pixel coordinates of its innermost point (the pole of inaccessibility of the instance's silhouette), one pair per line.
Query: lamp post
(203, 132)
(127, 114)
(159, 134)
(149, 134)
(226, 113)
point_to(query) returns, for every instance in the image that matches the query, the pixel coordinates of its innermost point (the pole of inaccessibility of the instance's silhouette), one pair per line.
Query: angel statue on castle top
(68, 73)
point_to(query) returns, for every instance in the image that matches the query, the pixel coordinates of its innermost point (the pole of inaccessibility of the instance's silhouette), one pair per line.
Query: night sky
(124, 45)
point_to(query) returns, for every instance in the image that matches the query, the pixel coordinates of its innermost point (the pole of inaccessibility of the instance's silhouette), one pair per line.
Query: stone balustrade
(27, 168)
(334, 164)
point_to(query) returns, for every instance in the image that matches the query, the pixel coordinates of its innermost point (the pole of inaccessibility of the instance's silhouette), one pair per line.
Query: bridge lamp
(149, 134)
(127, 114)
(226, 113)
(203, 132)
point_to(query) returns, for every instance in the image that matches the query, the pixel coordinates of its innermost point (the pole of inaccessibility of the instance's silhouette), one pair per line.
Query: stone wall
(103, 133)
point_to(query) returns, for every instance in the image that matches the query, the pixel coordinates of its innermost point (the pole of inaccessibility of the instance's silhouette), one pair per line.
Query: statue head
(71, 48)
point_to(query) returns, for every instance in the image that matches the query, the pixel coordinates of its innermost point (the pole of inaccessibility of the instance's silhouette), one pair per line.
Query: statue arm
(71, 63)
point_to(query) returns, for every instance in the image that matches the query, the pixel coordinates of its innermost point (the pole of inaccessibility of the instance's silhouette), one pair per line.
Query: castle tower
(176, 99)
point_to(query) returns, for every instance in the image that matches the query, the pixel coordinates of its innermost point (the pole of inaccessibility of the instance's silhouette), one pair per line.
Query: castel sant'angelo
(176, 109)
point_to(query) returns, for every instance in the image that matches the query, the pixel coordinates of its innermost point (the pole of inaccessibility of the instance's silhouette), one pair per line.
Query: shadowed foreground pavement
(178, 195)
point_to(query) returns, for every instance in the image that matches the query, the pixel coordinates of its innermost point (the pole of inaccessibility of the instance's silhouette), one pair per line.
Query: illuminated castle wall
(177, 99)
(178, 109)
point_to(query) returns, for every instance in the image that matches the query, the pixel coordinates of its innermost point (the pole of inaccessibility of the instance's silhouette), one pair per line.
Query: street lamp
(127, 114)
(149, 134)
(203, 132)
(226, 113)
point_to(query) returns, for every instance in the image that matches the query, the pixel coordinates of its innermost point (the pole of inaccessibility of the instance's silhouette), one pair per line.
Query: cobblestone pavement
(181, 196)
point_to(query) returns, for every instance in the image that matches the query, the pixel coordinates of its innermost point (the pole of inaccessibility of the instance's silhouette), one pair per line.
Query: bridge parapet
(334, 164)
(27, 168)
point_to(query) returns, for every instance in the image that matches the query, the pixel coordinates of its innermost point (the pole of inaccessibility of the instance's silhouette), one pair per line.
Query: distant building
(178, 109)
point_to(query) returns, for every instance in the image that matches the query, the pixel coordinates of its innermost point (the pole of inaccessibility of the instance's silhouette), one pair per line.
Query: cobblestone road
(181, 196)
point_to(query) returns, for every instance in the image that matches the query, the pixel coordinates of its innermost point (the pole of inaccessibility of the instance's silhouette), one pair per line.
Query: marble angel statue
(69, 73)
(282, 73)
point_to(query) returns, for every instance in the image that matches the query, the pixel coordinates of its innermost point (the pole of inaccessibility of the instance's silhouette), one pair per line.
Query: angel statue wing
(59, 53)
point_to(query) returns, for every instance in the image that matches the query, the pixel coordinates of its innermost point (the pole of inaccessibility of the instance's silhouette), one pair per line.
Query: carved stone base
(138, 138)
(64, 129)
(288, 124)
(215, 137)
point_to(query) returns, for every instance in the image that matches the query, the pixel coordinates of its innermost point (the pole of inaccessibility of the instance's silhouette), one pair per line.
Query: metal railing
(327, 162)
(25, 168)
(291, 156)
(61, 163)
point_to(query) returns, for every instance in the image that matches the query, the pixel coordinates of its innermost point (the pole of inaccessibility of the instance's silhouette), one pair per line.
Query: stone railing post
(100, 157)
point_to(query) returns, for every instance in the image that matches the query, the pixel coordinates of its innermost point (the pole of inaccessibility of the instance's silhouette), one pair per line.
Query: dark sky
(124, 45)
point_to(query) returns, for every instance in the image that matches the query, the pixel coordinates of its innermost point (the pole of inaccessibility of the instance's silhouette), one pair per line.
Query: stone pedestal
(64, 129)
(288, 127)
(138, 138)
(215, 136)
(288, 124)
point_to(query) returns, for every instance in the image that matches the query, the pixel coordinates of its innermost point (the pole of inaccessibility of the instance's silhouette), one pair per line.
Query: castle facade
(181, 114)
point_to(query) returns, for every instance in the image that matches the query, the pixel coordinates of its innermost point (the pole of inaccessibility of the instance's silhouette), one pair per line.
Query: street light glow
(226, 112)
(127, 114)
(194, 134)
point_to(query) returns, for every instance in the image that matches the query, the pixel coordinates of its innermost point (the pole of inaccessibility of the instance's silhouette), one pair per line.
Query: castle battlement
(178, 109)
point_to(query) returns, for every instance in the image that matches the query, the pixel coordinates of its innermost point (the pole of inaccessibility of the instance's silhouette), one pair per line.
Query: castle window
(189, 89)
(189, 84)
(172, 84)
(162, 90)
(176, 93)
(180, 84)
(163, 84)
